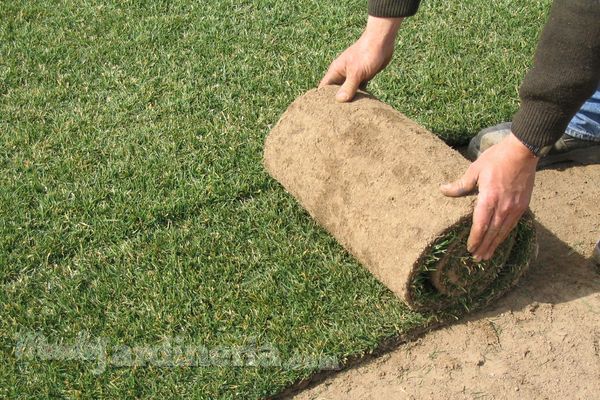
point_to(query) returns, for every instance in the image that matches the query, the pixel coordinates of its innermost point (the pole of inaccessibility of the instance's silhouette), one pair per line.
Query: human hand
(504, 175)
(360, 62)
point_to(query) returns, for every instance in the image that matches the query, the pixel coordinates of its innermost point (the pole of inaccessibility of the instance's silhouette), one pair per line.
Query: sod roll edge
(370, 176)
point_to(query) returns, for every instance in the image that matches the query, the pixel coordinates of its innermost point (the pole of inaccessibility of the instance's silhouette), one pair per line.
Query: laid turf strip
(133, 204)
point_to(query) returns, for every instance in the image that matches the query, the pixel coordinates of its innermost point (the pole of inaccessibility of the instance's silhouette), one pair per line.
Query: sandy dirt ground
(540, 341)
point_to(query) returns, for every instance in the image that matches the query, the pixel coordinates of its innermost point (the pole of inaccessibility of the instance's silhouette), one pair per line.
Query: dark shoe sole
(588, 155)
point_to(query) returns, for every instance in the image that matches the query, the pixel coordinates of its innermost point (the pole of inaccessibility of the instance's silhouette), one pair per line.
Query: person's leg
(586, 123)
(581, 141)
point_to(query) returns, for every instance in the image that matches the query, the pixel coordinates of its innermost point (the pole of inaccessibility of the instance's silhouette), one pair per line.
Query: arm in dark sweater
(393, 8)
(565, 73)
(566, 69)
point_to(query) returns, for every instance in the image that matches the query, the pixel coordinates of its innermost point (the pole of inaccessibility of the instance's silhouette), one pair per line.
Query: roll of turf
(370, 177)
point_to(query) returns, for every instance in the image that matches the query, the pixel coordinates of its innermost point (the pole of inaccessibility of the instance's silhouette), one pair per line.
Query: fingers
(506, 229)
(334, 75)
(463, 186)
(482, 218)
(504, 220)
(489, 236)
(348, 89)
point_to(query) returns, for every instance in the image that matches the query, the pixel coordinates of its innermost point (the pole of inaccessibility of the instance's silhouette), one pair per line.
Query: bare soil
(540, 341)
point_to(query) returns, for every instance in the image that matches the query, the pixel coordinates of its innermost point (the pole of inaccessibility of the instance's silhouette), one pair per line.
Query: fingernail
(341, 96)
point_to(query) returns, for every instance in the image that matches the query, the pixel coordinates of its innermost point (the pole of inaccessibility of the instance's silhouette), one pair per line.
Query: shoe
(570, 148)
(567, 148)
(486, 138)
(596, 254)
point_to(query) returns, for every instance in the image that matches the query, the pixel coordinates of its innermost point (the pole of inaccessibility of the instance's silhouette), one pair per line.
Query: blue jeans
(586, 123)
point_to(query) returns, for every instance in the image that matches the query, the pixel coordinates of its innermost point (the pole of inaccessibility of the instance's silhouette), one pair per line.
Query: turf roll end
(447, 278)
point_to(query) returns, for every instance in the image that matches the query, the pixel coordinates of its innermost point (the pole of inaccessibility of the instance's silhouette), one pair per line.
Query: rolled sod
(370, 176)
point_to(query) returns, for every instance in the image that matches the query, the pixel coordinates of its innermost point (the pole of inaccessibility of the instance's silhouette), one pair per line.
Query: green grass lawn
(134, 208)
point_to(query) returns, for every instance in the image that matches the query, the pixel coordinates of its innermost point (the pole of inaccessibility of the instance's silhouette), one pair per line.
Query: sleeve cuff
(539, 125)
(393, 8)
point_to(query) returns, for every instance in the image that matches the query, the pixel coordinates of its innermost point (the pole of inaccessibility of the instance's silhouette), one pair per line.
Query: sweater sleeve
(565, 73)
(393, 8)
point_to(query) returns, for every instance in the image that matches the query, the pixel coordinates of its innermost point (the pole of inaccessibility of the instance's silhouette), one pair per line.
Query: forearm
(566, 72)
(382, 31)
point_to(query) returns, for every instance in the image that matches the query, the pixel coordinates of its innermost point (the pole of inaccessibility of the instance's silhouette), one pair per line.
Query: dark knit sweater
(566, 69)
